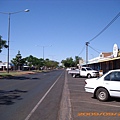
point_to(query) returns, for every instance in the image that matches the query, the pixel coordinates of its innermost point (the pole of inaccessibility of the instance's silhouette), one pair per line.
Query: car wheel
(88, 76)
(74, 75)
(102, 94)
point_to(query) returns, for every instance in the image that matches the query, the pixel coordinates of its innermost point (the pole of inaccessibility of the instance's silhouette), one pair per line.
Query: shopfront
(106, 61)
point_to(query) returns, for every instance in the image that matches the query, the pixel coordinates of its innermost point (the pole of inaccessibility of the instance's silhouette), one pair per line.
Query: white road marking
(34, 109)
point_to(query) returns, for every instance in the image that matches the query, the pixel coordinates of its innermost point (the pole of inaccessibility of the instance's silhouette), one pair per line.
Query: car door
(112, 83)
(83, 72)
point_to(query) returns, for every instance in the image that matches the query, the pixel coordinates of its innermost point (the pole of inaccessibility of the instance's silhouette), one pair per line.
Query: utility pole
(87, 52)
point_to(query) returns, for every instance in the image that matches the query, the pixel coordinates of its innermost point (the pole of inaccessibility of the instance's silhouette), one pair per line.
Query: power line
(81, 50)
(93, 49)
(106, 27)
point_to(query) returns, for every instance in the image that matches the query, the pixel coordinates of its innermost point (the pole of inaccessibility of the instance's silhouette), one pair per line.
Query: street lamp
(43, 49)
(9, 15)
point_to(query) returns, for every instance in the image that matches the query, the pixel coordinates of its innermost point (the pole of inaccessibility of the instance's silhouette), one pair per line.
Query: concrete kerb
(65, 112)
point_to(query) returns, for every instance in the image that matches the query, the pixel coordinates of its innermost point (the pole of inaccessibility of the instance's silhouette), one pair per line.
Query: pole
(8, 41)
(87, 53)
(43, 52)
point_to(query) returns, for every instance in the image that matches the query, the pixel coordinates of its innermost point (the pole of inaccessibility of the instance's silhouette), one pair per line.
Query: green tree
(29, 61)
(68, 62)
(34, 62)
(2, 44)
(42, 62)
(77, 59)
(51, 64)
(17, 61)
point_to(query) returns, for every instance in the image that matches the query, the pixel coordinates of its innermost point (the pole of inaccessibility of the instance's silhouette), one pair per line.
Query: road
(53, 95)
(32, 97)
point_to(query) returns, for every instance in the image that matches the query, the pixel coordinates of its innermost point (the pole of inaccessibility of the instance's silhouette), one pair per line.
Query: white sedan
(104, 87)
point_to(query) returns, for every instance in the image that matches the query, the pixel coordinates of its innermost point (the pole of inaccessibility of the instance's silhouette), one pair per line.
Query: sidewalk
(65, 107)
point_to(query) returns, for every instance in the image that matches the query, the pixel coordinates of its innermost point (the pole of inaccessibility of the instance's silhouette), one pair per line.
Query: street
(31, 97)
(53, 95)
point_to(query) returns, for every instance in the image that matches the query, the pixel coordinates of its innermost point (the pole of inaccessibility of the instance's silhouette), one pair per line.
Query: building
(3, 66)
(106, 60)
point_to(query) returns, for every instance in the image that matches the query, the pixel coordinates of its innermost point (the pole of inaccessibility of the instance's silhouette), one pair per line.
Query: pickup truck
(84, 72)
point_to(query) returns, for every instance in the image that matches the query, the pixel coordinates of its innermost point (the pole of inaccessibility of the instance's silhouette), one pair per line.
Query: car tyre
(74, 75)
(89, 76)
(102, 94)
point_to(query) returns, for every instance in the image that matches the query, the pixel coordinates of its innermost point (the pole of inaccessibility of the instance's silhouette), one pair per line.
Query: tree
(2, 44)
(68, 62)
(78, 59)
(34, 62)
(17, 61)
(50, 64)
(42, 62)
(29, 61)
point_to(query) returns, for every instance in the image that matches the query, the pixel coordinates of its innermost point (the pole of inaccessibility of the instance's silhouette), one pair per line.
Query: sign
(115, 50)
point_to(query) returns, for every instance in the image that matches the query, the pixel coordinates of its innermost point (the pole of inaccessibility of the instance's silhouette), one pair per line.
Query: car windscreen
(89, 68)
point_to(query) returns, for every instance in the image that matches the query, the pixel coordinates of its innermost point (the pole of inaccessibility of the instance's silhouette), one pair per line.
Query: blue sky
(61, 26)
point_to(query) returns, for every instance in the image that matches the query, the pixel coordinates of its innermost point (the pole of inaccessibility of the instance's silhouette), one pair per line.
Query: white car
(88, 72)
(68, 69)
(84, 72)
(104, 87)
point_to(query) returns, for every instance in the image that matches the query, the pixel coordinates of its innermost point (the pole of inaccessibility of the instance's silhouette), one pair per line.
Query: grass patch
(14, 73)
(17, 73)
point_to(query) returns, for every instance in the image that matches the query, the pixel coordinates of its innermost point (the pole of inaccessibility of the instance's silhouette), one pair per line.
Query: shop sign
(115, 50)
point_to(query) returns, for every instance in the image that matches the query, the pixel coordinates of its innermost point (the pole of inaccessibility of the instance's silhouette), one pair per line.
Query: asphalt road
(84, 107)
(53, 95)
(32, 97)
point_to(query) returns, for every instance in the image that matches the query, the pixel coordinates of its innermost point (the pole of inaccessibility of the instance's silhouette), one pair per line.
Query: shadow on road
(9, 97)
(19, 78)
(111, 99)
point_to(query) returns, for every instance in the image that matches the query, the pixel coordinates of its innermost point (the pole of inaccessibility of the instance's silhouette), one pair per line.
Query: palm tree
(2, 44)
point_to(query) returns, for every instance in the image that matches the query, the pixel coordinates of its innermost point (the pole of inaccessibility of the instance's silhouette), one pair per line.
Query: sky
(60, 27)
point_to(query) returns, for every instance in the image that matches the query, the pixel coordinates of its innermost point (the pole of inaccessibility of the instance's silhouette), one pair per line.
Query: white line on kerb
(33, 110)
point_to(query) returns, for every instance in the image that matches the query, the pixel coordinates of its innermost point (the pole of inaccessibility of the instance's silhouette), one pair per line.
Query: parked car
(67, 69)
(104, 87)
(84, 72)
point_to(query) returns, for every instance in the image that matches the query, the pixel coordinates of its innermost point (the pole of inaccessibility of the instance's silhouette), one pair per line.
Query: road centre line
(40, 101)
(96, 103)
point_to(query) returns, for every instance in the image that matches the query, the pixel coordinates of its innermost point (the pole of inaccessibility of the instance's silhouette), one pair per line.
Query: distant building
(106, 54)
(3, 66)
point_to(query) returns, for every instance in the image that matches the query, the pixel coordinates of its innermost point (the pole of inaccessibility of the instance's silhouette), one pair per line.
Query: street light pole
(87, 52)
(43, 48)
(8, 42)
(9, 16)
(43, 52)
